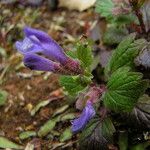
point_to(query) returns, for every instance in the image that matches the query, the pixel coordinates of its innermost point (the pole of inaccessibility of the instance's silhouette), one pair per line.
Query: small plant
(124, 84)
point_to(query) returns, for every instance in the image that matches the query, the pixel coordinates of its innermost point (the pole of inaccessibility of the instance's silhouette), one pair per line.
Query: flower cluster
(42, 53)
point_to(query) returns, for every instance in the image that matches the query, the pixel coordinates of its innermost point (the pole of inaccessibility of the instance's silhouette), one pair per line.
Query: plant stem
(136, 9)
(140, 18)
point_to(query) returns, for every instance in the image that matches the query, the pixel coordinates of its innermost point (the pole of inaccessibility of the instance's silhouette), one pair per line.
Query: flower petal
(36, 62)
(87, 113)
(51, 48)
(42, 36)
(27, 46)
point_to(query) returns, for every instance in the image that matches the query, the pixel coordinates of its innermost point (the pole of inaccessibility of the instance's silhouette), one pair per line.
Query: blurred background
(28, 98)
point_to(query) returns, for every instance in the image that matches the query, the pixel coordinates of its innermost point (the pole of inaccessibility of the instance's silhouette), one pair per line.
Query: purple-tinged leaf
(143, 59)
(97, 134)
(92, 94)
(140, 116)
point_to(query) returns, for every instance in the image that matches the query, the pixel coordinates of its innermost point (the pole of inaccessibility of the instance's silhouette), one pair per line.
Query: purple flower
(37, 41)
(87, 113)
(36, 62)
(41, 52)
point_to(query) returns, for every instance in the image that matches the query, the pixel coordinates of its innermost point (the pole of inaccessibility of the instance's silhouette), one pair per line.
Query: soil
(27, 88)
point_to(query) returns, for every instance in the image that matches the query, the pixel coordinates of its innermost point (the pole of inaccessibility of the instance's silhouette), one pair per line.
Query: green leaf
(27, 134)
(60, 110)
(114, 35)
(69, 116)
(47, 127)
(123, 141)
(124, 54)
(3, 97)
(123, 89)
(38, 106)
(66, 135)
(71, 53)
(84, 53)
(108, 128)
(71, 85)
(121, 20)
(3, 52)
(5, 143)
(141, 146)
(104, 7)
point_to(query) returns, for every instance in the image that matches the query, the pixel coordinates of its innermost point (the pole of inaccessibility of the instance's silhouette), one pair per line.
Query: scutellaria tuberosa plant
(124, 84)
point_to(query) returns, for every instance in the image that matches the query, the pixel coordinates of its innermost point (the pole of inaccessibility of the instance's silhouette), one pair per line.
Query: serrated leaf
(66, 135)
(114, 35)
(108, 128)
(84, 54)
(104, 7)
(97, 134)
(140, 116)
(124, 54)
(5, 143)
(71, 85)
(124, 89)
(3, 97)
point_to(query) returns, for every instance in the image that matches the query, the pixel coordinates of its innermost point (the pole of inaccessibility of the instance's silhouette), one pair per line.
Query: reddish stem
(136, 9)
(140, 18)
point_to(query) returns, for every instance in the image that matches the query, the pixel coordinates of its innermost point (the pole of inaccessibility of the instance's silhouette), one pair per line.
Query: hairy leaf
(124, 54)
(71, 85)
(84, 54)
(124, 89)
(97, 134)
